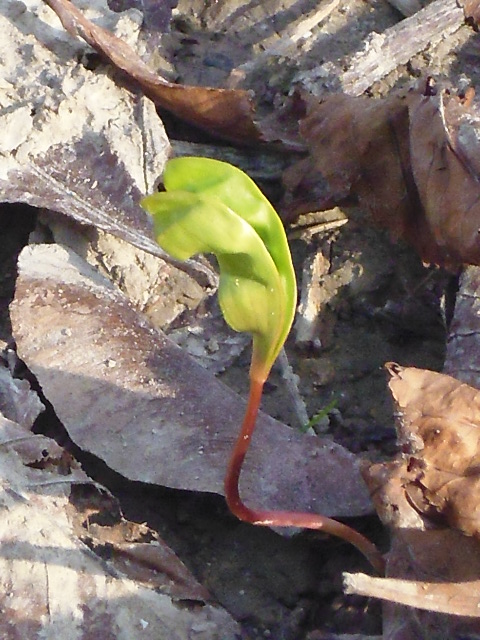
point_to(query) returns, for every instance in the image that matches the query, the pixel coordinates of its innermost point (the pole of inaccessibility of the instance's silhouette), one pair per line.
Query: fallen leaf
(17, 401)
(156, 15)
(155, 287)
(227, 113)
(361, 147)
(463, 345)
(429, 567)
(440, 433)
(95, 173)
(127, 394)
(153, 564)
(471, 9)
(413, 161)
(445, 157)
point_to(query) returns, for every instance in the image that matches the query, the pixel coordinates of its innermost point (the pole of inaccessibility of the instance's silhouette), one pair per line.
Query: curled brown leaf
(440, 430)
(413, 161)
(445, 157)
(227, 113)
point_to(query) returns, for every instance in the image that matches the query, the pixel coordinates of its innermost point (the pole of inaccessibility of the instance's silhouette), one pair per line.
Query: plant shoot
(210, 206)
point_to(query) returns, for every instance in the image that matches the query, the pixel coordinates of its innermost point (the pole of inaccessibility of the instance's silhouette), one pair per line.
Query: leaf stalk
(269, 518)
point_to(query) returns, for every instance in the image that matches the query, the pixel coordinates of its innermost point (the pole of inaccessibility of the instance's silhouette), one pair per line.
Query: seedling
(210, 206)
(318, 417)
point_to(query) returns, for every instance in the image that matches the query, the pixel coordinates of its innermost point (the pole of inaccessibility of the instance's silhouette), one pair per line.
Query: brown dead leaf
(227, 113)
(463, 346)
(17, 401)
(153, 564)
(361, 147)
(432, 569)
(412, 159)
(127, 394)
(439, 431)
(156, 15)
(445, 158)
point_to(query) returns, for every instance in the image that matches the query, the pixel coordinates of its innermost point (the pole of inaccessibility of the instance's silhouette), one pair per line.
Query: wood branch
(430, 596)
(383, 53)
(395, 46)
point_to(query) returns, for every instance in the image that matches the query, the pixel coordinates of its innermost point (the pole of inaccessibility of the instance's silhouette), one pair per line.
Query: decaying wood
(385, 52)
(291, 382)
(313, 296)
(413, 593)
(463, 346)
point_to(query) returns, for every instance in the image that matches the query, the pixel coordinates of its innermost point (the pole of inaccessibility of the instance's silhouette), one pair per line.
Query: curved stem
(284, 518)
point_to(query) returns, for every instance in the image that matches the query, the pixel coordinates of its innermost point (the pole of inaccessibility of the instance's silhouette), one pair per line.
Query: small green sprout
(210, 206)
(318, 417)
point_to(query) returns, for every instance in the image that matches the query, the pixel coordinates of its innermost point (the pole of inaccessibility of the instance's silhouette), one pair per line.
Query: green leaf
(212, 207)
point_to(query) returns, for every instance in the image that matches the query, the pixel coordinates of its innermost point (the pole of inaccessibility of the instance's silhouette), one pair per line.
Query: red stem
(284, 518)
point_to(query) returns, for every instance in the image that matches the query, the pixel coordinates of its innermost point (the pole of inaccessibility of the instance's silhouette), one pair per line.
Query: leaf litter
(33, 174)
(412, 163)
(38, 479)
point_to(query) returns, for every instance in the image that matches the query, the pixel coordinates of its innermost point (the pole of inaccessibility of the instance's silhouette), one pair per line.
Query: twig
(395, 46)
(384, 52)
(291, 382)
(436, 596)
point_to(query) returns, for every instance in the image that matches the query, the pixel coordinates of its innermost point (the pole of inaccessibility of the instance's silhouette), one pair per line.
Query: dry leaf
(445, 158)
(361, 147)
(17, 401)
(95, 173)
(440, 433)
(471, 9)
(127, 394)
(226, 113)
(412, 159)
(152, 564)
(156, 15)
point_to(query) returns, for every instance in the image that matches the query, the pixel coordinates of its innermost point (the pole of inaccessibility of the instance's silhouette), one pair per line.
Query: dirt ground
(381, 304)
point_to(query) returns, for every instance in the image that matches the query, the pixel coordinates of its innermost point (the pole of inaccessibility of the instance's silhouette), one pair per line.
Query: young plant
(210, 206)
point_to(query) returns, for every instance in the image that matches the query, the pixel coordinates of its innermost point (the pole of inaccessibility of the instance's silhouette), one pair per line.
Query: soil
(381, 305)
